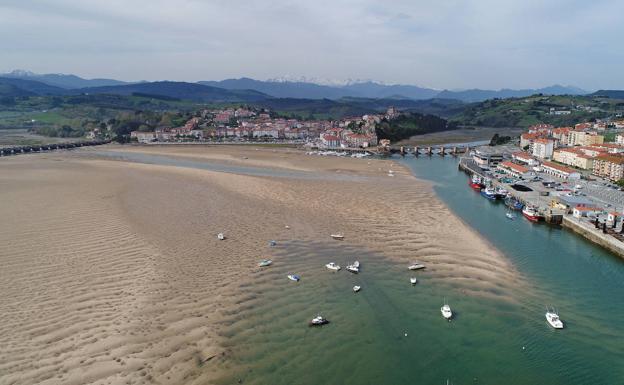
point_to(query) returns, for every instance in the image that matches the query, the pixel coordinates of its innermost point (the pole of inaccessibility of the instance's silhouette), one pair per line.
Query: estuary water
(393, 333)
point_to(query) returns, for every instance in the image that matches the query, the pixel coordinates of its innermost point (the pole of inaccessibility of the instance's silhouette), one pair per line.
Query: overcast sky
(439, 44)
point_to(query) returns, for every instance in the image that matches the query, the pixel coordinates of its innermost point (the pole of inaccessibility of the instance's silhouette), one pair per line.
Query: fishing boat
(338, 236)
(333, 266)
(220, 236)
(319, 320)
(500, 193)
(513, 204)
(287, 227)
(489, 193)
(272, 243)
(446, 311)
(356, 288)
(510, 215)
(413, 280)
(531, 214)
(265, 262)
(416, 266)
(553, 318)
(475, 182)
(354, 267)
(294, 277)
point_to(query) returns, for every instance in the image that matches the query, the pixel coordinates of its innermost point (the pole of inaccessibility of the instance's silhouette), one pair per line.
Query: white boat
(446, 311)
(356, 288)
(416, 266)
(220, 236)
(265, 262)
(510, 216)
(337, 236)
(294, 277)
(333, 266)
(553, 319)
(413, 280)
(287, 227)
(354, 267)
(318, 321)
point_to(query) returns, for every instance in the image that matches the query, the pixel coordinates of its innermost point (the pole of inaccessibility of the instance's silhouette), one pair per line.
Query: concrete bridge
(16, 150)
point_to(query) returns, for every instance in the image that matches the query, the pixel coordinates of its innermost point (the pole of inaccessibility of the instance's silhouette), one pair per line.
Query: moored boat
(446, 311)
(531, 214)
(294, 277)
(265, 262)
(220, 236)
(333, 266)
(354, 267)
(413, 280)
(416, 266)
(514, 204)
(500, 193)
(489, 193)
(475, 182)
(338, 236)
(357, 288)
(510, 215)
(319, 320)
(553, 319)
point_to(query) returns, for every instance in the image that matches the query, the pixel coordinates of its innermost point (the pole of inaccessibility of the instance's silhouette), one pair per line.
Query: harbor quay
(558, 202)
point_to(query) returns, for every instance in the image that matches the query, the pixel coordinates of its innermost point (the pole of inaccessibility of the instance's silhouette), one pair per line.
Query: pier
(601, 234)
(16, 150)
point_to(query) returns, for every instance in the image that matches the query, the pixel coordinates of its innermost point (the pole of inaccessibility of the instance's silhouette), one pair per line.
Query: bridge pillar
(442, 151)
(429, 151)
(402, 150)
(416, 151)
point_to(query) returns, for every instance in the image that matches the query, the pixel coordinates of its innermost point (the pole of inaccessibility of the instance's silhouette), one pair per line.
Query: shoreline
(129, 252)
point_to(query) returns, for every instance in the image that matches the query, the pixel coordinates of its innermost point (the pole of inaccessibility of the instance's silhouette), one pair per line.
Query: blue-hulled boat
(514, 204)
(489, 193)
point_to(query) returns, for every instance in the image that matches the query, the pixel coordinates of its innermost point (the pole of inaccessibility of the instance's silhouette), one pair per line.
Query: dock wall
(595, 235)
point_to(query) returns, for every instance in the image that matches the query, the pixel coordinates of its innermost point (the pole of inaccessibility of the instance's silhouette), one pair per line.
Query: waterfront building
(514, 169)
(609, 166)
(574, 157)
(568, 202)
(527, 139)
(586, 211)
(619, 138)
(560, 135)
(486, 156)
(560, 171)
(143, 137)
(329, 140)
(543, 148)
(524, 158)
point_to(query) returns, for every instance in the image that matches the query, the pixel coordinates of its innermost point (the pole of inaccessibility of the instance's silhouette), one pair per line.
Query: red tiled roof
(558, 167)
(513, 166)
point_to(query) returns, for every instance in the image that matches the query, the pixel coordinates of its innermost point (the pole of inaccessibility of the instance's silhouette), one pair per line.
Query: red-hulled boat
(531, 214)
(475, 183)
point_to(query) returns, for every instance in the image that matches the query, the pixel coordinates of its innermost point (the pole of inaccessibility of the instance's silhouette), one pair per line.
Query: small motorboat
(294, 277)
(287, 227)
(446, 311)
(510, 216)
(413, 280)
(272, 243)
(553, 319)
(265, 262)
(356, 288)
(354, 267)
(416, 266)
(333, 266)
(220, 236)
(319, 320)
(337, 236)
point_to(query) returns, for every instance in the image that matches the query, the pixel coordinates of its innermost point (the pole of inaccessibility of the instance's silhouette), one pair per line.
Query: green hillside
(523, 112)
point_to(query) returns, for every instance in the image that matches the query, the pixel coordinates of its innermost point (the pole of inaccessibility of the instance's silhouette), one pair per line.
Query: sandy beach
(112, 272)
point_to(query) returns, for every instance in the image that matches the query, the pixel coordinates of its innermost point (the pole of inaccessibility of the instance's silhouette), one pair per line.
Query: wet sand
(112, 272)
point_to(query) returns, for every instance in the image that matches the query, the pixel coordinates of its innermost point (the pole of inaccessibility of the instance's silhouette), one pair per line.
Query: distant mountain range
(21, 83)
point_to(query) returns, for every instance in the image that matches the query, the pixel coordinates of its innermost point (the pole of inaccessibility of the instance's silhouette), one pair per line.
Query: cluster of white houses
(248, 124)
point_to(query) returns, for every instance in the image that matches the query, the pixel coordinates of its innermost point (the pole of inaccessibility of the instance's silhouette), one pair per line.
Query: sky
(440, 44)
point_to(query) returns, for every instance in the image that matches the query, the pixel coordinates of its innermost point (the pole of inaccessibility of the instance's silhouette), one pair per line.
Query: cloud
(446, 44)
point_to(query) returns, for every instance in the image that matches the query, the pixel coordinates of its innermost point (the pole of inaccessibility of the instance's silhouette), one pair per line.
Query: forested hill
(407, 125)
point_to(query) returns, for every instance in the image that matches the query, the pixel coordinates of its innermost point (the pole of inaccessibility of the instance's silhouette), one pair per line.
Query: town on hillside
(246, 124)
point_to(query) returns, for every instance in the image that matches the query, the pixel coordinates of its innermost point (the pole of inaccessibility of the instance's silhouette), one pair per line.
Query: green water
(489, 341)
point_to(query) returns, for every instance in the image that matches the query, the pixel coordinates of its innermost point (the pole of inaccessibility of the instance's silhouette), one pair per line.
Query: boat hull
(488, 196)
